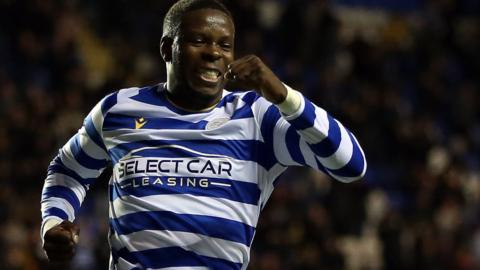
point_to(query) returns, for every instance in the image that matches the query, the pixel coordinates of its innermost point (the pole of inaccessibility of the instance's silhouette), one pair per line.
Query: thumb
(72, 228)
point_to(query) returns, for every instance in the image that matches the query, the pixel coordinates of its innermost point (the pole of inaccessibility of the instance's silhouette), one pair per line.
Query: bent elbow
(354, 174)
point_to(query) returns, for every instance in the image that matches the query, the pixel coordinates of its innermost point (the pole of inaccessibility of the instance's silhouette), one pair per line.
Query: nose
(212, 52)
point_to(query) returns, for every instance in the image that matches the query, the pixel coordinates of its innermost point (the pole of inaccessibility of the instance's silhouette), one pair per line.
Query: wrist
(49, 223)
(291, 103)
(274, 91)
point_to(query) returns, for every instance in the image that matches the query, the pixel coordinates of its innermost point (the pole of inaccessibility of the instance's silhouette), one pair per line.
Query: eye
(226, 45)
(197, 41)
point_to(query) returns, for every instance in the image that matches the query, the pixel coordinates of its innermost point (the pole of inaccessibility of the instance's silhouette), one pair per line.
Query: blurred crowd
(405, 81)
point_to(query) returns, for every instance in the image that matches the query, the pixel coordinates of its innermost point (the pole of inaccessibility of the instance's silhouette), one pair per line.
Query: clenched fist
(60, 242)
(250, 72)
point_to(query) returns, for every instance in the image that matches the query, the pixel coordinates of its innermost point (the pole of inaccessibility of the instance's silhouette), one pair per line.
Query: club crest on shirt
(216, 123)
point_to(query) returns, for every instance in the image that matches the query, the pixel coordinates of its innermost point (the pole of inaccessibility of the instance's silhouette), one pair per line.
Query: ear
(166, 48)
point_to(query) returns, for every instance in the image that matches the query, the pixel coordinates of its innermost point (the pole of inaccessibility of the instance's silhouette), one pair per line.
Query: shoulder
(123, 95)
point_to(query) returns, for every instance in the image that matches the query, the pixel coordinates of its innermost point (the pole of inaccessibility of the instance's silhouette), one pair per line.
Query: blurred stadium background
(403, 75)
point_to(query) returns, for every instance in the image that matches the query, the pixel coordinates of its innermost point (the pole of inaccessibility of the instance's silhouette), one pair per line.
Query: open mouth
(210, 75)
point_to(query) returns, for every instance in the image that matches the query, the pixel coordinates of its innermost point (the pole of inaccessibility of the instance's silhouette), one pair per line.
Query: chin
(206, 90)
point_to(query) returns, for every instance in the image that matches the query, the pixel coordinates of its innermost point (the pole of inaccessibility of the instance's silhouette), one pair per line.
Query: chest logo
(216, 123)
(140, 122)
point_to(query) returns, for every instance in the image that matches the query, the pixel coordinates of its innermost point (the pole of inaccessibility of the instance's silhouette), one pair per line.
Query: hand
(250, 72)
(60, 242)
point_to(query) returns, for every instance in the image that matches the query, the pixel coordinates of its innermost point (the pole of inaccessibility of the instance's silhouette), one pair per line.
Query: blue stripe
(292, 139)
(55, 211)
(243, 112)
(108, 102)
(239, 191)
(114, 252)
(116, 121)
(267, 127)
(62, 192)
(174, 257)
(227, 99)
(206, 225)
(82, 157)
(270, 118)
(329, 145)
(92, 132)
(355, 166)
(306, 119)
(250, 97)
(251, 150)
(170, 123)
(57, 166)
(149, 95)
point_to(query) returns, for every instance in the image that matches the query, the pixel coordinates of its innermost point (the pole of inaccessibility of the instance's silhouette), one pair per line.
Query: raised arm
(298, 131)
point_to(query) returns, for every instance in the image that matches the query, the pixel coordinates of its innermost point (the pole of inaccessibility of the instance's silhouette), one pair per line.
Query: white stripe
(124, 94)
(59, 179)
(343, 154)
(220, 184)
(197, 243)
(97, 117)
(237, 129)
(266, 182)
(58, 202)
(89, 146)
(279, 143)
(307, 154)
(188, 204)
(122, 264)
(319, 131)
(71, 163)
(134, 151)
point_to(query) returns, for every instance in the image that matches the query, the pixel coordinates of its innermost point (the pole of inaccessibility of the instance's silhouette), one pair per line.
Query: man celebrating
(193, 164)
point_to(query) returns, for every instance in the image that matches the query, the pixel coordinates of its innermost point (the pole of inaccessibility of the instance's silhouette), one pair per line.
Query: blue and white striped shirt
(187, 188)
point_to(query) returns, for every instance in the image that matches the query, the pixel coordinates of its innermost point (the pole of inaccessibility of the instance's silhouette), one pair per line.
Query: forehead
(207, 20)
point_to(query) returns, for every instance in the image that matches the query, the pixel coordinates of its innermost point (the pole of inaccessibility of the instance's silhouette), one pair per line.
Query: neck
(188, 106)
(190, 101)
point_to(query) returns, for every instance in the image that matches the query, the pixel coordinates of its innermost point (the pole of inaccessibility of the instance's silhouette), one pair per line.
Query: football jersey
(187, 188)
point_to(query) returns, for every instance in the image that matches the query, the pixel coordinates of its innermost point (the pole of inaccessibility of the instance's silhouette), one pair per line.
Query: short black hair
(173, 18)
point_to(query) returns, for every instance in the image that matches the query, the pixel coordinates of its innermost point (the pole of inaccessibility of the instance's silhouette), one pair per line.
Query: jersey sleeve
(76, 166)
(311, 137)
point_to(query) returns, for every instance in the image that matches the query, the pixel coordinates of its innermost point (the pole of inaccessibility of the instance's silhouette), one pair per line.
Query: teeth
(210, 74)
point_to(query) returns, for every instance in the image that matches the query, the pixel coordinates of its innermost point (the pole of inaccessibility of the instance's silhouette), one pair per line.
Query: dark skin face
(198, 58)
(200, 61)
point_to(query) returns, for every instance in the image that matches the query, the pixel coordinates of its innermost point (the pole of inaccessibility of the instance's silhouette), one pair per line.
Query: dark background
(402, 75)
